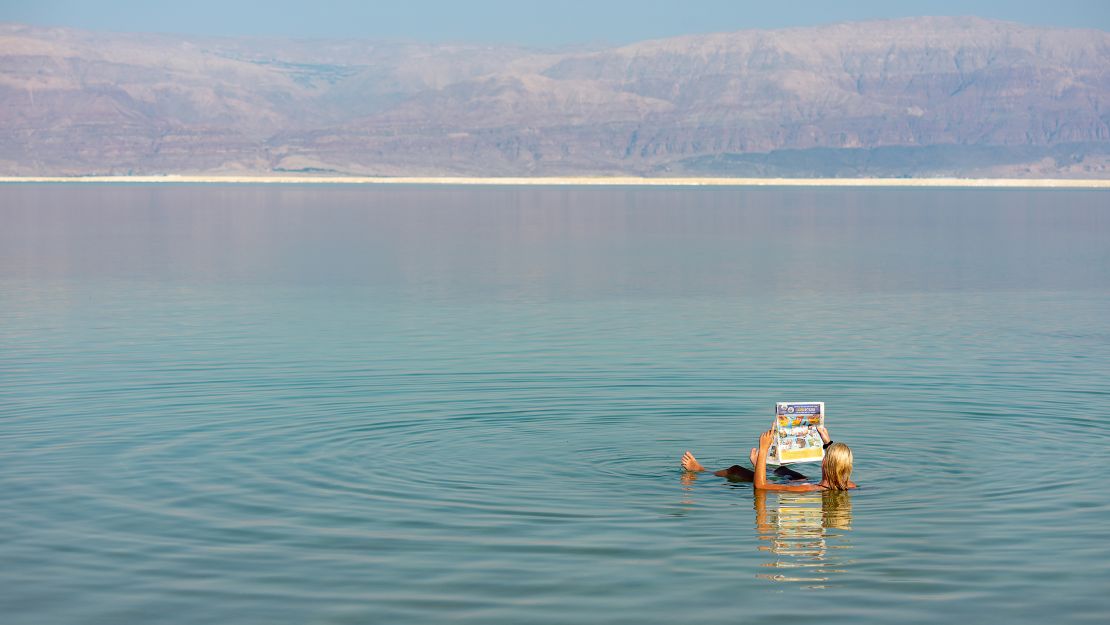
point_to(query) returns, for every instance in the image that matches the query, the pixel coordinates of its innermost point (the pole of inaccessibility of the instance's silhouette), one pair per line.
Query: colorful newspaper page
(796, 438)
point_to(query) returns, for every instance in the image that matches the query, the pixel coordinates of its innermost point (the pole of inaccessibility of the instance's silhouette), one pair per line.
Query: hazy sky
(555, 22)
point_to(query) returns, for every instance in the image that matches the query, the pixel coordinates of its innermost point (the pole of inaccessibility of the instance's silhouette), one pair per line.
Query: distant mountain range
(912, 97)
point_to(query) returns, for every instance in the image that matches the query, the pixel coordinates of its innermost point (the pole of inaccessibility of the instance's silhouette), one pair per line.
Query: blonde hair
(836, 469)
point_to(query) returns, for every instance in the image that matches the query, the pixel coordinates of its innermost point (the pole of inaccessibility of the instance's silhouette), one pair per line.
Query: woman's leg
(737, 473)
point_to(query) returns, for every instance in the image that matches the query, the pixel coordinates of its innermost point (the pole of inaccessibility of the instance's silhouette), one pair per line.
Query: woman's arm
(760, 480)
(824, 435)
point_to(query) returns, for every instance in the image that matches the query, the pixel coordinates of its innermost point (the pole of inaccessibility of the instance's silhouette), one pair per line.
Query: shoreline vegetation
(1009, 183)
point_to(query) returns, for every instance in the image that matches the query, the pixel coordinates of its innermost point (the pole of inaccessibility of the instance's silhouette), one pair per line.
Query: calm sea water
(261, 404)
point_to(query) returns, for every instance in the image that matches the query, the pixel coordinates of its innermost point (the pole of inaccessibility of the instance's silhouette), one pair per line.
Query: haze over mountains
(911, 97)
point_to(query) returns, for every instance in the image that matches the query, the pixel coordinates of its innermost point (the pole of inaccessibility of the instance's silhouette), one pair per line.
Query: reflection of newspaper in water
(796, 438)
(805, 532)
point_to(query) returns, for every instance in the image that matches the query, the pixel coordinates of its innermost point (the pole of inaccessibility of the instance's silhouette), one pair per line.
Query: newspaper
(796, 438)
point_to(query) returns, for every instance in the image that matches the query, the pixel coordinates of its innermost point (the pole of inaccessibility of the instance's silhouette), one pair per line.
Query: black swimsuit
(738, 473)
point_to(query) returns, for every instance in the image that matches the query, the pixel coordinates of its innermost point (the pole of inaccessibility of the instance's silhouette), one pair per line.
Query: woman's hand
(765, 441)
(824, 434)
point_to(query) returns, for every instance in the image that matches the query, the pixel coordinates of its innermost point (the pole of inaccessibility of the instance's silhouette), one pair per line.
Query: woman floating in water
(836, 468)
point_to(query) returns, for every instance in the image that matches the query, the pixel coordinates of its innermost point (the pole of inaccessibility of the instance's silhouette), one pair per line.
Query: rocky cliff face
(921, 96)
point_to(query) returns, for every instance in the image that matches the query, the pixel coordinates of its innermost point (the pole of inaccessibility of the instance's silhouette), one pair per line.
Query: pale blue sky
(520, 21)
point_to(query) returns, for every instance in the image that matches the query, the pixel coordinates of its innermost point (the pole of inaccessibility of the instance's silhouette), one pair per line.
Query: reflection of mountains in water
(804, 531)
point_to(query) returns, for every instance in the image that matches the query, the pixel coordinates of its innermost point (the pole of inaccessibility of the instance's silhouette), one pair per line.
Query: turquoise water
(257, 404)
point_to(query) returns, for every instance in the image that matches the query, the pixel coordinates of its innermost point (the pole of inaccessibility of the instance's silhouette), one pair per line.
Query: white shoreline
(1008, 183)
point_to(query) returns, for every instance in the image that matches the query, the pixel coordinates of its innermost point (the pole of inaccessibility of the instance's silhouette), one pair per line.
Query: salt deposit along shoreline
(1015, 183)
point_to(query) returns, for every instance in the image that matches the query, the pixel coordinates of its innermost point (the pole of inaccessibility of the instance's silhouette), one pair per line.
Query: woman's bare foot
(690, 463)
(752, 456)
